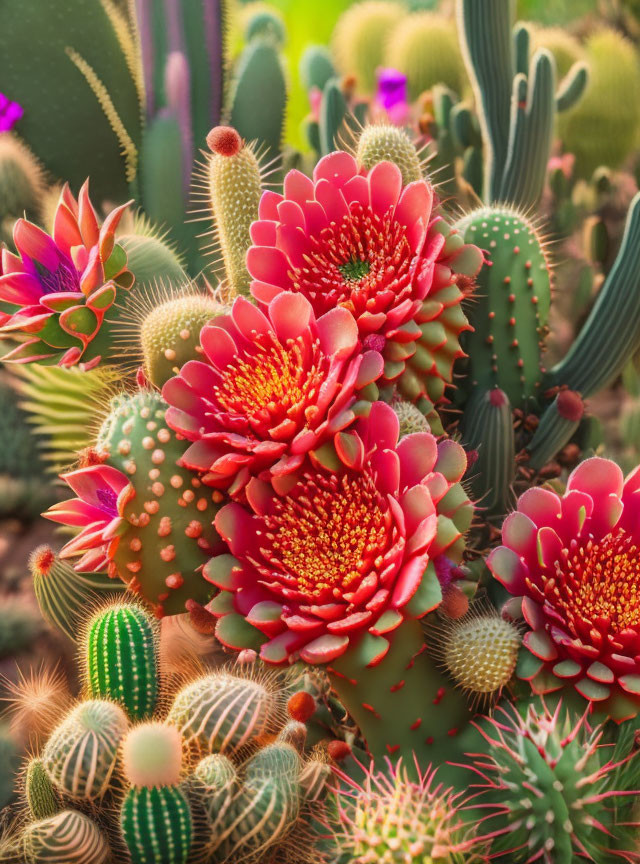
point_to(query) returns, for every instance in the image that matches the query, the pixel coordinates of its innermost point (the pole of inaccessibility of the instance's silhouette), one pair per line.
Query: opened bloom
(55, 294)
(277, 385)
(361, 241)
(573, 562)
(337, 555)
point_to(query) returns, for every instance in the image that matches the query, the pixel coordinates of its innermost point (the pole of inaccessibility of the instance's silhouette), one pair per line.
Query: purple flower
(10, 113)
(392, 89)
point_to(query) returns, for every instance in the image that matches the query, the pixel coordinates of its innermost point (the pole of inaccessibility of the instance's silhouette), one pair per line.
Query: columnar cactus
(121, 648)
(39, 791)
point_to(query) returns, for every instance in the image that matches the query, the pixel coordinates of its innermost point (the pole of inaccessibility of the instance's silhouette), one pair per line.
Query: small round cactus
(214, 784)
(81, 753)
(359, 40)
(234, 190)
(410, 417)
(68, 837)
(121, 649)
(152, 755)
(223, 713)
(170, 334)
(382, 141)
(480, 651)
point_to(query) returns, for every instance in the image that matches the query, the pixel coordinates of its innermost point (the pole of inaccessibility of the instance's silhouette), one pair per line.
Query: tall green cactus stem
(404, 705)
(223, 713)
(234, 191)
(383, 142)
(169, 533)
(121, 647)
(21, 185)
(559, 421)
(170, 334)
(259, 95)
(510, 311)
(39, 791)
(63, 594)
(611, 334)
(68, 837)
(487, 428)
(333, 111)
(80, 755)
(316, 67)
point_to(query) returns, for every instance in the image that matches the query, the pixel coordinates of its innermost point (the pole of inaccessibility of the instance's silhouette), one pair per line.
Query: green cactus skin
(511, 307)
(152, 261)
(223, 713)
(234, 191)
(170, 334)
(170, 503)
(39, 791)
(359, 40)
(213, 783)
(80, 755)
(68, 837)
(156, 825)
(316, 67)
(333, 112)
(63, 594)
(487, 428)
(259, 95)
(611, 333)
(122, 659)
(382, 141)
(424, 47)
(21, 185)
(404, 706)
(559, 421)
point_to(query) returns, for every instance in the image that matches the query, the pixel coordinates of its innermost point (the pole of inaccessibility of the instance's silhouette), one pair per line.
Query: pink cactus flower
(10, 113)
(361, 241)
(333, 556)
(277, 386)
(573, 563)
(57, 291)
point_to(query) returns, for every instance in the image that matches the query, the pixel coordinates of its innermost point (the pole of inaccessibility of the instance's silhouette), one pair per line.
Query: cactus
(138, 443)
(259, 96)
(151, 258)
(10, 758)
(21, 185)
(233, 189)
(424, 47)
(316, 67)
(68, 837)
(155, 817)
(411, 419)
(333, 112)
(121, 658)
(39, 791)
(80, 755)
(359, 40)
(64, 595)
(35, 704)
(381, 141)
(510, 313)
(559, 421)
(223, 713)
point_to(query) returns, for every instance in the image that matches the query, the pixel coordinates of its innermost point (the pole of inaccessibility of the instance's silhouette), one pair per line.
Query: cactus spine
(121, 657)
(39, 791)
(68, 837)
(379, 142)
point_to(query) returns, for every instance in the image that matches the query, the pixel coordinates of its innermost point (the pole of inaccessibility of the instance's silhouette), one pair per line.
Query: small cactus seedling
(80, 755)
(155, 817)
(121, 649)
(511, 307)
(68, 837)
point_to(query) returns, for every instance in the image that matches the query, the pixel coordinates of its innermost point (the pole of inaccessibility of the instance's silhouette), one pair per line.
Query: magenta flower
(338, 555)
(10, 113)
(277, 385)
(59, 288)
(573, 562)
(392, 95)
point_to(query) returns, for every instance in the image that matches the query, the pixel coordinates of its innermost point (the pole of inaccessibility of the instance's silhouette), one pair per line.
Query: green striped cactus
(223, 713)
(80, 755)
(122, 658)
(68, 837)
(212, 783)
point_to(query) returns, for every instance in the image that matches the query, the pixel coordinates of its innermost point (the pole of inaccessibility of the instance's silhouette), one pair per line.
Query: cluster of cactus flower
(335, 456)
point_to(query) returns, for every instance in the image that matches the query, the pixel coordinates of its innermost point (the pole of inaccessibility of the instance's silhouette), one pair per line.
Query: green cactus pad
(170, 503)
(68, 837)
(80, 755)
(121, 649)
(510, 309)
(156, 825)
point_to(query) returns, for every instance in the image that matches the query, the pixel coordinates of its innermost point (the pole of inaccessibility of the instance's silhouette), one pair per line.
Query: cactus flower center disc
(328, 534)
(598, 583)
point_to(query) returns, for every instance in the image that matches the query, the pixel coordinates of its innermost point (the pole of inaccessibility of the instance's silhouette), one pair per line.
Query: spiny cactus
(68, 837)
(424, 46)
(233, 189)
(510, 312)
(39, 791)
(411, 418)
(80, 755)
(381, 141)
(152, 259)
(359, 40)
(36, 701)
(559, 421)
(121, 647)
(21, 185)
(563, 793)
